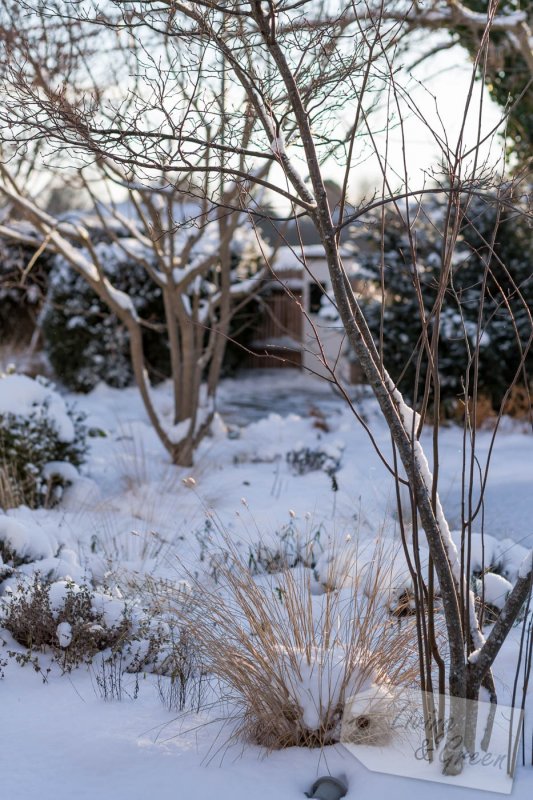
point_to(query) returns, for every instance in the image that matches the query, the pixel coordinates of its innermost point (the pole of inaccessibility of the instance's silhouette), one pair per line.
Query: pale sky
(447, 76)
(440, 88)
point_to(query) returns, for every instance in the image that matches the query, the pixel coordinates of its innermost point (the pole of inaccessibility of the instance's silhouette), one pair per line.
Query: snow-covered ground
(132, 514)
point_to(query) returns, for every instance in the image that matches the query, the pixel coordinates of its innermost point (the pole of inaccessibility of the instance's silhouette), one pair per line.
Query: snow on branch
(411, 420)
(452, 12)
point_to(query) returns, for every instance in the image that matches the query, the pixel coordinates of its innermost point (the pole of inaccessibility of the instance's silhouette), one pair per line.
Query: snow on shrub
(496, 590)
(290, 547)
(27, 548)
(22, 291)
(75, 624)
(286, 548)
(484, 552)
(42, 441)
(494, 566)
(503, 300)
(22, 544)
(491, 592)
(85, 342)
(354, 564)
(511, 557)
(327, 458)
(61, 616)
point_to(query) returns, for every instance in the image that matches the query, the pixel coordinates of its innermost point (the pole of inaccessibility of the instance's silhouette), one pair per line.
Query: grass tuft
(289, 660)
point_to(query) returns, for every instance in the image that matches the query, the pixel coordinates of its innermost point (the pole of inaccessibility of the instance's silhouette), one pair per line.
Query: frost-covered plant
(42, 441)
(85, 342)
(486, 304)
(289, 548)
(22, 290)
(307, 459)
(289, 660)
(62, 618)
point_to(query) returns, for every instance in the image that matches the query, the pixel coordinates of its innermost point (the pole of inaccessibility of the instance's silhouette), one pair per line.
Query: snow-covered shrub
(290, 660)
(494, 566)
(165, 649)
(149, 642)
(28, 547)
(306, 459)
(24, 544)
(395, 318)
(86, 343)
(286, 548)
(84, 340)
(289, 548)
(42, 441)
(22, 291)
(482, 551)
(76, 624)
(510, 558)
(63, 618)
(377, 567)
(182, 676)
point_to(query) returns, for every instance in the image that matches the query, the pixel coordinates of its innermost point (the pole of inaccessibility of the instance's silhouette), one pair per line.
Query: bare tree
(186, 251)
(176, 233)
(298, 82)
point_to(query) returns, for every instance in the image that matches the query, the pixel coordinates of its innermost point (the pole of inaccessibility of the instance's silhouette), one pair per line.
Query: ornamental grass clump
(288, 660)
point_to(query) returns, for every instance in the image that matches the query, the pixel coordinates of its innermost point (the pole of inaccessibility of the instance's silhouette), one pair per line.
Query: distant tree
(508, 69)
(159, 298)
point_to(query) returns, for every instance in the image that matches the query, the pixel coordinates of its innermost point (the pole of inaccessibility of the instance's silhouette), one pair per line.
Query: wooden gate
(278, 336)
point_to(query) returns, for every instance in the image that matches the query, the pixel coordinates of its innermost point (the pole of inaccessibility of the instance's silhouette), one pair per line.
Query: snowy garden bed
(136, 549)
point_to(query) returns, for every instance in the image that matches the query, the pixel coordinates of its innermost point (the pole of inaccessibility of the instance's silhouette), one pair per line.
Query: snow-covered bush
(22, 291)
(286, 548)
(86, 343)
(84, 340)
(491, 592)
(396, 317)
(42, 441)
(378, 567)
(290, 547)
(63, 617)
(75, 624)
(24, 544)
(310, 459)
